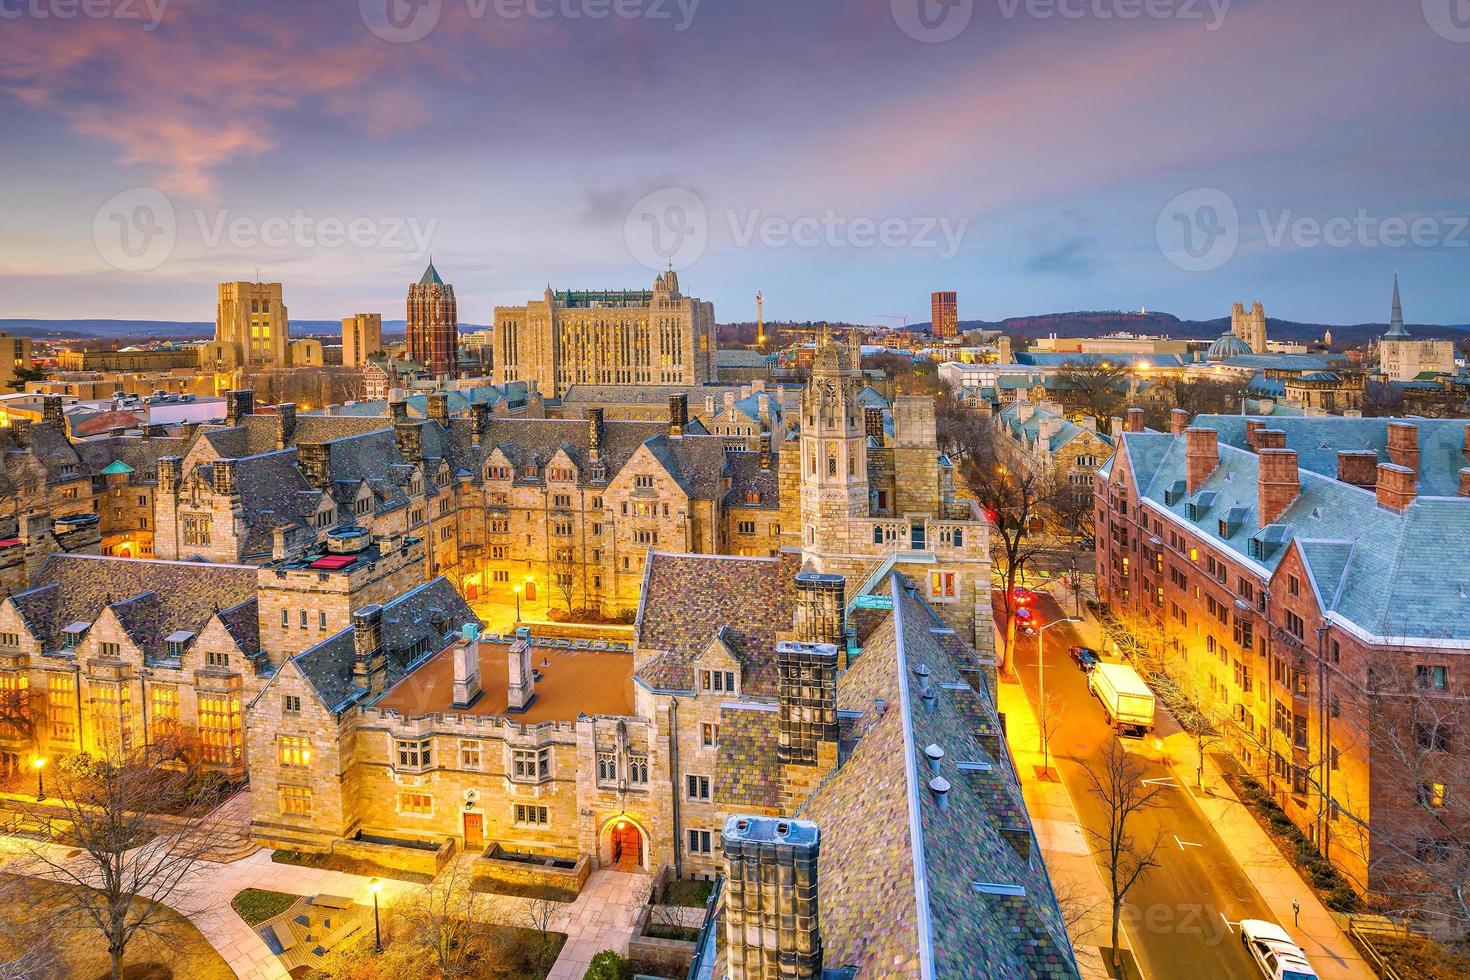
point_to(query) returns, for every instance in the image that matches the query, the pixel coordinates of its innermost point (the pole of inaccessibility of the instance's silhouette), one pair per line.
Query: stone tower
(433, 324)
(834, 472)
(1250, 327)
(772, 920)
(252, 319)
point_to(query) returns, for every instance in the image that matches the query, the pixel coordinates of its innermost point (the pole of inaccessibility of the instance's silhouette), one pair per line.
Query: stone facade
(362, 335)
(619, 337)
(253, 322)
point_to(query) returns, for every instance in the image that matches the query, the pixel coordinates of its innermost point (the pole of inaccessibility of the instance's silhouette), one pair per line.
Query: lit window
(293, 751)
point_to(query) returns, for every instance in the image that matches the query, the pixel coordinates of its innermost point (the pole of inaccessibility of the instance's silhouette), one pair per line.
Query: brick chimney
(409, 436)
(1465, 482)
(594, 433)
(1403, 445)
(479, 421)
(438, 407)
(678, 414)
(1396, 486)
(1270, 439)
(1178, 421)
(314, 461)
(170, 474)
(467, 667)
(765, 451)
(821, 608)
(873, 424)
(285, 424)
(224, 478)
(1252, 426)
(368, 664)
(1201, 456)
(20, 431)
(521, 678)
(1357, 466)
(238, 404)
(397, 409)
(1135, 420)
(1279, 483)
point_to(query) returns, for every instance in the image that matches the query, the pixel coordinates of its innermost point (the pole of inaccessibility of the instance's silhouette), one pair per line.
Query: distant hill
(171, 329)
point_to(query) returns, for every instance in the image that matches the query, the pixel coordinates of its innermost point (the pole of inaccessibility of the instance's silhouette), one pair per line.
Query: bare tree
(449, 918)
(27, 940)
(128, 865)
(1194, 394)
(538, 914)
(564, 569)
(1096, 387)
(1118, 783)
(1049, 714)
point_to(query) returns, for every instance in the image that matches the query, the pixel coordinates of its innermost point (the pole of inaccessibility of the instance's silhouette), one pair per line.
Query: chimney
(1465, 482)
(1278, 483)
(409, 436)
(1357, 466)
(170, 473)
(467, 667)
(314, 461)
(1403, 445)
(1252, 426)
(1049, 427)
(285, 424)
(1024, 410)
(1088, 422)
(772, 914)
(763, 411)
(225, 482)
(439, 407)
(807, 703)
(594, 433)
(1270, 439)
(709, 405)
(821, 608)
(1115, 428)
(1135, 420)
(678, 414)
(873, 423)
(51, 410)
(367, 645)
(20, 431)
(1396, 486)
(521, 682)
(765, 451)
(1201, 456)
(729, 400)
(33, 527)
(397, 409)
(479, 421)
(238, 404)
(1179, 421)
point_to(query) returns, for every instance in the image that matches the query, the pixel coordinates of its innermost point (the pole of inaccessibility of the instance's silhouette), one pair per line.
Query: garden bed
(522, 889)
(690, 893)
(349, 865)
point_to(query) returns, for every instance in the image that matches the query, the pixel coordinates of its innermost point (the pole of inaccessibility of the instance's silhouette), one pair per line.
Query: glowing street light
(376, 886)
(517, 591)
(40, 763)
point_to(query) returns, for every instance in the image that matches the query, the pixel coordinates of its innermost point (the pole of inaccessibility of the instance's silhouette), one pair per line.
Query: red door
(627, 845)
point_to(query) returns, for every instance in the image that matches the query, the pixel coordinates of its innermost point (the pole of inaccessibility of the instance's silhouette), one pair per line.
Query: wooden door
(474, 831)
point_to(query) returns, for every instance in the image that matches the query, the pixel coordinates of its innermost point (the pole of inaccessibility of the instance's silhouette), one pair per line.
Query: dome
(1226, 347)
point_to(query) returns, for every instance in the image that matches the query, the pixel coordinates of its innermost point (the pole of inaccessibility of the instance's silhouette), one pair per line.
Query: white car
(1274, 951)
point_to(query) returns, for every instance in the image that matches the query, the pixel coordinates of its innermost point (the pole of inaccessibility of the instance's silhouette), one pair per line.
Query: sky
(843, 157)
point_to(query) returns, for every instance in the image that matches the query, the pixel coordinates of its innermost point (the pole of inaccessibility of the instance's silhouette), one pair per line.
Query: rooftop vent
(934, 754)
(999, 888)
(939, 786)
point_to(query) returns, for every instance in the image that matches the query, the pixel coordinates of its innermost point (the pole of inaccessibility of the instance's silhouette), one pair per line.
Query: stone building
(252, 324)
(362, 335)
(433, 324)
(1270, 567)
(1402, 358)
(1041, 439)
(1323, 392)
(610, 337)
(1250, 327)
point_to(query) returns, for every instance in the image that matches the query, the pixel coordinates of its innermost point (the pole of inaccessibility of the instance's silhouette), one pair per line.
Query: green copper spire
(431, 275)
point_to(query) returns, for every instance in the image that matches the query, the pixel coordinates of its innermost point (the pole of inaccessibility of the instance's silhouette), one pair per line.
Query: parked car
(1022, 596)
(1027, 621)
(1084, 657)
(1274, 951)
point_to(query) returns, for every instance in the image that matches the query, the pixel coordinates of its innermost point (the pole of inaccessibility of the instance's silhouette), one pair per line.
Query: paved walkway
(604, 916)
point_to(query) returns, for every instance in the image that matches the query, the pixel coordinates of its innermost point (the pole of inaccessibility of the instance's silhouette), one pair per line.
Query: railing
(1362, 932)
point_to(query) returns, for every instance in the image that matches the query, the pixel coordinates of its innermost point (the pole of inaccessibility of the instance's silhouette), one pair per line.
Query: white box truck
(1126, 699)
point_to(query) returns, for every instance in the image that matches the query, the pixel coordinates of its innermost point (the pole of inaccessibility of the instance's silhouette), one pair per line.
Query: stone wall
(400, 857)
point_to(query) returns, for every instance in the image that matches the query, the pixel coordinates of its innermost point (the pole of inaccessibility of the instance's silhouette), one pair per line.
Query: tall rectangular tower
(362, 334)
(433, 324)
(772, 925)
(251, 317)
(945, 319)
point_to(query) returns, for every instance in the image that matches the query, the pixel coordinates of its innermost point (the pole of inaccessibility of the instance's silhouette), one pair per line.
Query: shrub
(1343, 899)
(608, 965)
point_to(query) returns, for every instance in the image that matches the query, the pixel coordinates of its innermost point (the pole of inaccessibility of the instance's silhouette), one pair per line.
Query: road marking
(1185, 843)
(1228, 925)
(1161, 781)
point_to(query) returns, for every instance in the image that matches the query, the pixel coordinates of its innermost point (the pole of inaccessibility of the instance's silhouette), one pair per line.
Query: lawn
(352, 866)
(495, 953)
(255, 905)
(516, 889)
(28, 910)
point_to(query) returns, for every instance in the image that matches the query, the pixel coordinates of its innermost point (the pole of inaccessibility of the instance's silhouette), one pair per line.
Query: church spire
(1396, 325)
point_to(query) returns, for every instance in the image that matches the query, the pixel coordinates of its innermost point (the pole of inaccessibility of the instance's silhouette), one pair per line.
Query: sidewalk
(1064, 847)
(1328, 947)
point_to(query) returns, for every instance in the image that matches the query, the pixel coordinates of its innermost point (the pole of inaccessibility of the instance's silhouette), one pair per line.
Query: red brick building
(433, 324)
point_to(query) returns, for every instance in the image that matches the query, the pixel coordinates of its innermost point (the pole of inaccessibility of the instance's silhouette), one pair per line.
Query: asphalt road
(1180, 916)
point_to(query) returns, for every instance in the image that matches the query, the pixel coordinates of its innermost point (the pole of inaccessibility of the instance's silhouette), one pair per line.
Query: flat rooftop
(571, 682)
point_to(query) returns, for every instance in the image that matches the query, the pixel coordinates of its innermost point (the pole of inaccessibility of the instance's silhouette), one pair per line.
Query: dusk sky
(840, 155)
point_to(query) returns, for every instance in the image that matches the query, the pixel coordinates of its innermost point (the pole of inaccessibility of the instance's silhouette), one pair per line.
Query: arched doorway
(623, 845)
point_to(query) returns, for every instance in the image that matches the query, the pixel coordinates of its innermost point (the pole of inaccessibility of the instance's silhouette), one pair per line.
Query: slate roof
(1288, 362)
(897, 871)
(151, 598)
(1364, 559)
(688, 599)
(739, 357)
(460, 400)
(1029, 431)
(595, 395)
(747, 477)
(139, 454)
(416, 625)
(273, 494)
(748, 775)
(50, 446)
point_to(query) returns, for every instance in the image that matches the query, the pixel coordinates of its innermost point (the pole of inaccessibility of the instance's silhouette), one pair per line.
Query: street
(1180, 916)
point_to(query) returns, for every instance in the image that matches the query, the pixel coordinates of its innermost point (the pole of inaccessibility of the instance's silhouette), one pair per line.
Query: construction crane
(895, 316)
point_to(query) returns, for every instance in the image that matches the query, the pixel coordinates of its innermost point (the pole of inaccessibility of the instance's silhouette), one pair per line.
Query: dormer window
(721, 681)
(176, 643)
(72, 635)
(497, 473)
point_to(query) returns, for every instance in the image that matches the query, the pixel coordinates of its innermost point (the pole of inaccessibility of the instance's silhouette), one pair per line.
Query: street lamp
(517, 591)
(1041, 688)
(40, 763)
(376, 886)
